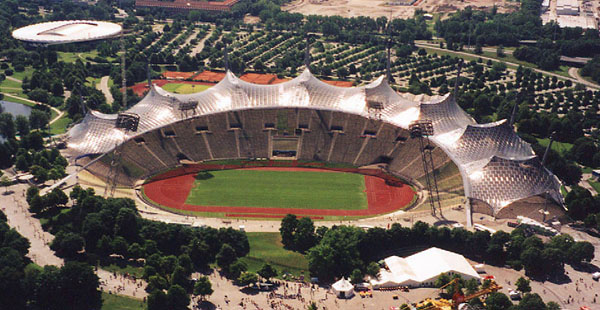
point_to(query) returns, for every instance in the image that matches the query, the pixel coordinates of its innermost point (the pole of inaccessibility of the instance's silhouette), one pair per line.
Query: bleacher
(322, 135)
(190, 140)
(221, 139)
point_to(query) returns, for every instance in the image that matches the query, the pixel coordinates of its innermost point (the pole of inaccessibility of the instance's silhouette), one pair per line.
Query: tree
(203, 287)
(180, 277)
(225, 257)
(40, 95)
(523, 285)
(247, 278)
(373, 269)
(79, 282)
(581, 251)
(497, 301)
(532, 302)
(267, 271)
(304, 236)
(287, 230)
(356, 276)
(67, 244)
(22, 125)
(177, 298)
(38, 119)
(6, 182)
(236, 269)
(157, 300)
(552, 306)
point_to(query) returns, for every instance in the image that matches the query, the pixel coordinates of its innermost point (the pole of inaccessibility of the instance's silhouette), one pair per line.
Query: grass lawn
(133, 270)
(180, 88)
(560, 147)
(118, 302)
(70, 57)
(60, 126)
(279, 189)
(595, 185)
(266, 247)
(563, 191)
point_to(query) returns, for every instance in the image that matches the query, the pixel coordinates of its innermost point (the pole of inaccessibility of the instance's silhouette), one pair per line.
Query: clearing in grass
(118, 302)
(266, 247)
(279, 189)
(182, 88)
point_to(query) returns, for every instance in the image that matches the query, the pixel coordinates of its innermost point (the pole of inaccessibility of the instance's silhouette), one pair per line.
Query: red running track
(382, 197)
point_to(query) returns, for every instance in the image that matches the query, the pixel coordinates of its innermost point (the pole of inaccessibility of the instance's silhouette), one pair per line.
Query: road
(586, 83)
(103, 87)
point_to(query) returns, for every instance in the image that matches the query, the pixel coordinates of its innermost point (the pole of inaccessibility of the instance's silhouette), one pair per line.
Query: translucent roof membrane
(497, 166)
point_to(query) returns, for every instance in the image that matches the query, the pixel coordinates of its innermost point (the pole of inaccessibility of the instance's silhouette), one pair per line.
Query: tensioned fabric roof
(497, 167)
(58, 32)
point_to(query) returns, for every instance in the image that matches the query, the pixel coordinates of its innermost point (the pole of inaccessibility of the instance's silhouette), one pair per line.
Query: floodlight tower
(128, 122)
(422, 130)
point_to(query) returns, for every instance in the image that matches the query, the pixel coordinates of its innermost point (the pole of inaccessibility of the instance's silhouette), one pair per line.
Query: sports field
(270, 192)
(181, 88)
(279, 189)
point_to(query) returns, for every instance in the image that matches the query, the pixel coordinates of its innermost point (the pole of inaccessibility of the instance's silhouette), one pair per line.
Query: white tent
(423, 268)
(343, 288)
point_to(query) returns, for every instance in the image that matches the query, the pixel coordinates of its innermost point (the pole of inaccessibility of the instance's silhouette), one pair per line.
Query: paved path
(585, 184)
(10, 78)
(16, 209)
(103, 87)
(430, 46)
(198, 48)
(574, 73)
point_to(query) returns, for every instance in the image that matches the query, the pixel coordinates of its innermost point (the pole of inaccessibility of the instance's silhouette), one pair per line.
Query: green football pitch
(279, 189)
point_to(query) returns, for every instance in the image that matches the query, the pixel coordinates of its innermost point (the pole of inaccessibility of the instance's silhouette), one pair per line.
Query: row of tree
(342, 249)
(97, 230)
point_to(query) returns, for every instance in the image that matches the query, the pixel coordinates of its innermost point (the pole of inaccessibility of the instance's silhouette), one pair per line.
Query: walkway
(59, 113)
(15, 207)
(198, 48)
(103, 87)
(429, 46)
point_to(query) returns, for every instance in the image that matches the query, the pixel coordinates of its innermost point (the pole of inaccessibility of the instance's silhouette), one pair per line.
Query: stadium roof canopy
(69, 31)
(496, 166)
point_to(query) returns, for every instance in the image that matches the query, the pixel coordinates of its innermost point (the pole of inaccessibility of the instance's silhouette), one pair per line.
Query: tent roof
(342, 285)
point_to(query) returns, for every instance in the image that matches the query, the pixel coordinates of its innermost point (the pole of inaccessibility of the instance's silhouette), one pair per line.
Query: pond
(15, 108)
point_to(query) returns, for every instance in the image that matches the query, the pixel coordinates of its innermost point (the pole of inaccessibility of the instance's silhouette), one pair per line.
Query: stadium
(70, 31)
(303, 146)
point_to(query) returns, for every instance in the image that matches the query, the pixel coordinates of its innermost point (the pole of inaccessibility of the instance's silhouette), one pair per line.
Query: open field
(118, 302)
(279, 189)
(560, 147)
(180, 88)
(267, 248)
(377, 8)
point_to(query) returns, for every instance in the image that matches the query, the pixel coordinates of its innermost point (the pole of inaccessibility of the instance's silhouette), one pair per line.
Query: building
(186, 5)
(68, 31)
(358, 125)
(567, 7)
(423, 269)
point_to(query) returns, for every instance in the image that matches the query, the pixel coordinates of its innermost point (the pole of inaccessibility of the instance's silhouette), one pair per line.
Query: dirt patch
(377, 8)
